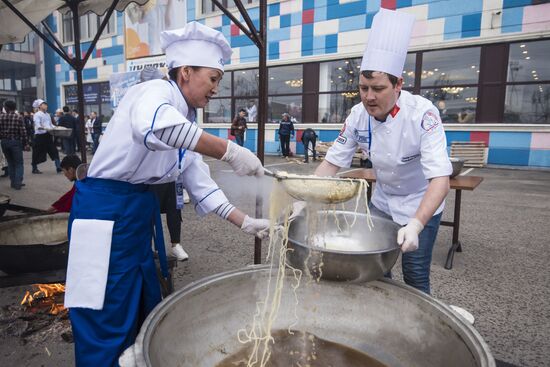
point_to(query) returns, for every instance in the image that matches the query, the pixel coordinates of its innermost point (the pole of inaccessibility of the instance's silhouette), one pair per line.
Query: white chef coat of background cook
(407, 150)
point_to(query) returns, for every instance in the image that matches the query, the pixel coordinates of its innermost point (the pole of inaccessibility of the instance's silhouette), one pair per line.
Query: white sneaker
(178, 252)
(465, 314)
(186, 199)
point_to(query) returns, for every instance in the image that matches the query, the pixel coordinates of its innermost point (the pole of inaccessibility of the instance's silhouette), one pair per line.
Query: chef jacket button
(169, 175)
(387, 131)
(398, 186)
(389, 154)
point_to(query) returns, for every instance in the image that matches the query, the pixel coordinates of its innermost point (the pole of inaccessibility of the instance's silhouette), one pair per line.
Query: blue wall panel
(513, 157)
(457, 136)
(509, 140)
(328, 135)
(540, 158)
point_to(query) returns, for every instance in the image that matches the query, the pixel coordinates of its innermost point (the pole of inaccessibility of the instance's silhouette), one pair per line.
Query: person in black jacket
(286, 129)
(309, 137)
(69, 121)
(96, 130)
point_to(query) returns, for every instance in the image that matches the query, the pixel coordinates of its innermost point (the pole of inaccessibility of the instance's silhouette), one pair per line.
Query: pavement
(502, 276)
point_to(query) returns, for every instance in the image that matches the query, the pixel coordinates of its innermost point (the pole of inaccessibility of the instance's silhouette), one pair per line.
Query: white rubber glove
(298, 209)
(256, 227)
(407, 237)
(242, 160)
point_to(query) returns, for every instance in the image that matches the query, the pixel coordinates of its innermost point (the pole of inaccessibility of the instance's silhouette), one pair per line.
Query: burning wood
(46, 296)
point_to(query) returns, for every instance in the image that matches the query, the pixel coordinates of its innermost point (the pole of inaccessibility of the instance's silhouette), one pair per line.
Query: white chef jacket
(42, 120)
(406, 150)
(203, 191)
(129, 150)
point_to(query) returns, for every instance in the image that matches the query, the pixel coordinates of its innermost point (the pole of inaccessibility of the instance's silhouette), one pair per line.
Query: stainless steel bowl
(356, 254)
(457, 163)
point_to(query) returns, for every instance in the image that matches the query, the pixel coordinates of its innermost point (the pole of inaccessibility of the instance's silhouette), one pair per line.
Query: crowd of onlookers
(44, 134)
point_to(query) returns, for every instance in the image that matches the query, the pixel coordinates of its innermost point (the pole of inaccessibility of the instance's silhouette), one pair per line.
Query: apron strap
(158, 237)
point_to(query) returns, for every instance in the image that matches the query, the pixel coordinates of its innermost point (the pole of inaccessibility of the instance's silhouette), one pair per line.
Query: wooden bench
(473, 152)
(322, 148)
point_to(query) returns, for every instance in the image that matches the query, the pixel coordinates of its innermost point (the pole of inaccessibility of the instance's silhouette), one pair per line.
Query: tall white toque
(388, 42)
(195, 45)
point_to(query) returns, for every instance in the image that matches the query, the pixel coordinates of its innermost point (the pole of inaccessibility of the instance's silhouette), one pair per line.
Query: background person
(14, 137)
(69, 164)
(67, 120)
(309, 137)
(404, 137)
(239, 127)
(251, 111)
(43, 142)
(97, 130)
(286, 130)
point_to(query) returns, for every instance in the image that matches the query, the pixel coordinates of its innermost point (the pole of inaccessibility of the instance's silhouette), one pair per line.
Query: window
(409, 71)
(527, 104)
(450, 67)
(285, 80)
(89, 25)
(340, 80)
(246, 82)
(224, 88)
(449, 79)
(528, 62)
(67, 21)
(335, 107)
(208, 6)
(341, 75)
(284, 104)
(455, 104)
(528, 83)
(218, 111)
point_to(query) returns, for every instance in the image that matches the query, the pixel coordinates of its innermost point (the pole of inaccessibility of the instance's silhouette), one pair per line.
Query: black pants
(285, 144)
(166, 195)
(44, 145)
(307, 140)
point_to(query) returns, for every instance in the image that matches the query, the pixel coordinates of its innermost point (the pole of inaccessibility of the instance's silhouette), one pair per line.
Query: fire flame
(45, 292)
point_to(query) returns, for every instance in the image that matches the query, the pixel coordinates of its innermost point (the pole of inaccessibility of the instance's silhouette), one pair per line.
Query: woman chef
(404, 137)
(111, 277)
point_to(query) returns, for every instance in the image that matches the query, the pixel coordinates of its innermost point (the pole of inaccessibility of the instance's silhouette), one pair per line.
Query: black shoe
(305, 161)
(58, 170)
(16, 187)
(36, 172)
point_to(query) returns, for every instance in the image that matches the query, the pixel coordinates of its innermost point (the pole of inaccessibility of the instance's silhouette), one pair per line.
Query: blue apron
(133, 289)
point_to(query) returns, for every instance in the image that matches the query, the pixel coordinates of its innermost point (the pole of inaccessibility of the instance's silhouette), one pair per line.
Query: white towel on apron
(89, 252)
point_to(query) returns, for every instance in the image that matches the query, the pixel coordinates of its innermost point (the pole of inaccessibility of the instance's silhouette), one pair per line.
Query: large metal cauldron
(355, 251)
(4, 203)
(197, 326)
(34, 244)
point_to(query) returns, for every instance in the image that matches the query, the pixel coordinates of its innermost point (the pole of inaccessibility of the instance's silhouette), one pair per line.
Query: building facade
(482, 63)
(19, 68)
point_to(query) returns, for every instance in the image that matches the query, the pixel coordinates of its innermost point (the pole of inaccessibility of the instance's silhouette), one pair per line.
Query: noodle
(259, 332)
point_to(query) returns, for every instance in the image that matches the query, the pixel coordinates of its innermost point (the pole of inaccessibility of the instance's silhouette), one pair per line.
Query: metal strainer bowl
(326, 190)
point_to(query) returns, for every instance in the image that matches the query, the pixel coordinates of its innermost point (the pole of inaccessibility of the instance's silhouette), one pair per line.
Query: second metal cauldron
(34, 244)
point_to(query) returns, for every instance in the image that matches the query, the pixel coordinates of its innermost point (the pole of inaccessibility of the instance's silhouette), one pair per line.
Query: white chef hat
(38, 102)
(195, 45)
(388, 42)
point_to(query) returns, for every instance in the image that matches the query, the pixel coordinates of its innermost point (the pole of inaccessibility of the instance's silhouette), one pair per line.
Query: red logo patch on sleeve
(430, 121)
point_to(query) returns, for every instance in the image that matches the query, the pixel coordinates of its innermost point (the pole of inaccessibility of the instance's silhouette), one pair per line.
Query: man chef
(111, 277)
(406, 143)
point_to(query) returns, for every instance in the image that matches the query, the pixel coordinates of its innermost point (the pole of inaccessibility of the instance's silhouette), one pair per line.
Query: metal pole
(262, 114)
(78, 66)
